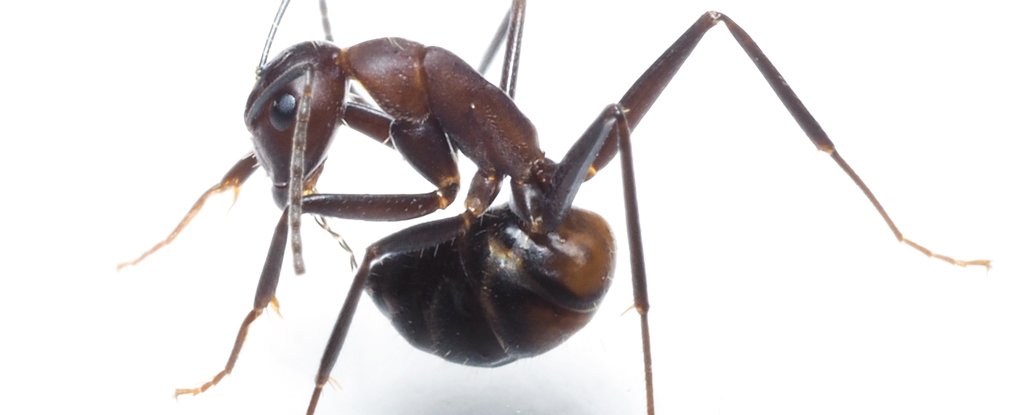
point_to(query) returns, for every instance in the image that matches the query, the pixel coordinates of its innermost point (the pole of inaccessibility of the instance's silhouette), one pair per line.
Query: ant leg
(231, 181)
(492, 48)
(423, 144)
(510, 29)
(483, 189)
(820, 139)
(645, 91)
(576, 165)
(418, 142)
(373, 207)
(370, 121)
(264, 296)
(572, 171)
(636, 253)
(510, 69)
(364, 207)
(419, 237)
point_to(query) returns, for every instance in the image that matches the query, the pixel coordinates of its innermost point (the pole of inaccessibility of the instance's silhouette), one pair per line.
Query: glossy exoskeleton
(492, 284)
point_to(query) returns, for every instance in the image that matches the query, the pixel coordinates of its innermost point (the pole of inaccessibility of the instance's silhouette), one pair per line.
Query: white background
(775, 286)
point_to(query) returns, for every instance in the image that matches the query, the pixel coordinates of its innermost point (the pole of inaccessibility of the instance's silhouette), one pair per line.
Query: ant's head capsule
(302, 75)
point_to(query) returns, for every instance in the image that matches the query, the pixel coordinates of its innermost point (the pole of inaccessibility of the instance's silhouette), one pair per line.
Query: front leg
(362, 207)
(232, 181)
(422, 142)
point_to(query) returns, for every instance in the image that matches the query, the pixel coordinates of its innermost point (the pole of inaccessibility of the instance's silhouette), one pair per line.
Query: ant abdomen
(495, 293)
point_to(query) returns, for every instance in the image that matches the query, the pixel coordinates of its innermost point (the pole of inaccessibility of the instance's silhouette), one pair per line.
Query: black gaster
(495, 294)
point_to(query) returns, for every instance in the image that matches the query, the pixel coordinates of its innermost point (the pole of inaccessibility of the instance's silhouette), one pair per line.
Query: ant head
(298, 99)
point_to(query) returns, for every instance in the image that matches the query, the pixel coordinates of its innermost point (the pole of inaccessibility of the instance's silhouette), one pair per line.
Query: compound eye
(282, 112)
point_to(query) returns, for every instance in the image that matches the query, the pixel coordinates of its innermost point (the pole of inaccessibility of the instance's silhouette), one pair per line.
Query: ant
(495, 283)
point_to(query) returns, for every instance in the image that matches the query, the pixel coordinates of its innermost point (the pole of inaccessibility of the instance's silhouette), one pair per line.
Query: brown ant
(493, 284)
